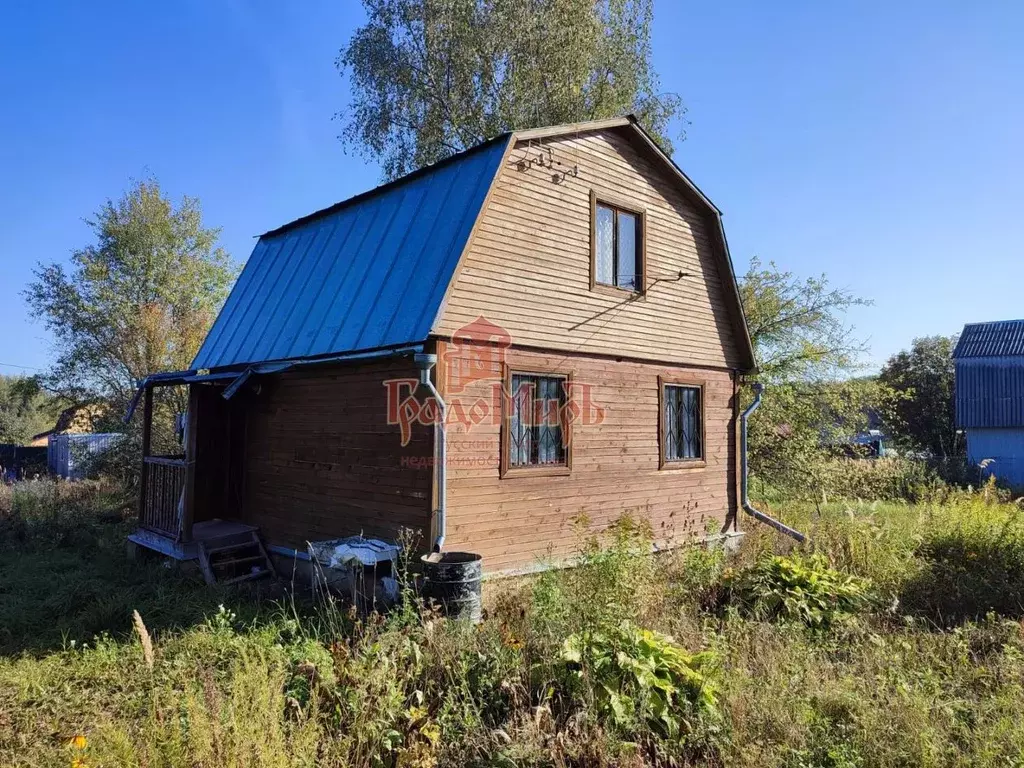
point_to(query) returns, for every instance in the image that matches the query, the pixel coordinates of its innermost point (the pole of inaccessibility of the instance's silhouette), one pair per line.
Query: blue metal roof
(366, 273)
(997, 339)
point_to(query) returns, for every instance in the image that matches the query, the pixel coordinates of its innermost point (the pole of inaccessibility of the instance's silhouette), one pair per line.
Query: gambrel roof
(363, 274)
(372, 272)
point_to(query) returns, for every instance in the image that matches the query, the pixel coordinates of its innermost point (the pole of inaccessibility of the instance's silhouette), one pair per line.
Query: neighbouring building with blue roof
(542, 330)
(989, 360)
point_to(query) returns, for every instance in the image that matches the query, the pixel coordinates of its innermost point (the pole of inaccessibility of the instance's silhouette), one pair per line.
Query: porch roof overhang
(239, 374)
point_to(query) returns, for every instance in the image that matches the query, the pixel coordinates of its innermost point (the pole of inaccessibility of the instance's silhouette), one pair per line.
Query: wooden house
(499, 351)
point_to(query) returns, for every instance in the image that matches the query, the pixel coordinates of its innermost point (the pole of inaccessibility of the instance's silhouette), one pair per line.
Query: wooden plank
(528, 268)
(514, 521)
(204, 564)
(191, 453)
(266, 558)
(164, 461)
(322, 462)
(147, 437)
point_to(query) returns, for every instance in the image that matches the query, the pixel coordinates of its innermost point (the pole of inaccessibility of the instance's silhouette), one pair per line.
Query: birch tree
(430, 78)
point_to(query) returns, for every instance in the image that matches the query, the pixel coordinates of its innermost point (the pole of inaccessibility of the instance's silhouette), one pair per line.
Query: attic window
(617, 245)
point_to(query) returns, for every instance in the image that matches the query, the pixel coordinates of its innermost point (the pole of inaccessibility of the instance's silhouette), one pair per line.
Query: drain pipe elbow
(745, 471)
(425, 363)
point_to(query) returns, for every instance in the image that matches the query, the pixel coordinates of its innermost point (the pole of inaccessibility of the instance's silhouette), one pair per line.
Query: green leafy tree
(136, 301)
(807, 354)
(924, 418)
(798, 326)
(433, 77)
(26, 409)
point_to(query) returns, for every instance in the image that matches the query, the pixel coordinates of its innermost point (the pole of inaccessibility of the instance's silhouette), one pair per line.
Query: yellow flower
(77, 763)
(431, 732)
(415, 714)
(78, 742)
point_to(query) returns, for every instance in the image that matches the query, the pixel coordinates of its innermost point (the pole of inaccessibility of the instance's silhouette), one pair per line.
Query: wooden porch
(166, 492)
(211, 534)
(183, 511)
(165, 524)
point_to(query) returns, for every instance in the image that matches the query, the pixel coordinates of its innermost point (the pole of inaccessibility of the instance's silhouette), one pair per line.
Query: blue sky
(879, 143)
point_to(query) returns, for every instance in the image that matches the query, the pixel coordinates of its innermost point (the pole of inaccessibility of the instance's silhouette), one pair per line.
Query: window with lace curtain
(617, 252)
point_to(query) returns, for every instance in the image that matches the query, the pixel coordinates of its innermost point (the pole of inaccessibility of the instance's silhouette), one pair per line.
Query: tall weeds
(681, 658)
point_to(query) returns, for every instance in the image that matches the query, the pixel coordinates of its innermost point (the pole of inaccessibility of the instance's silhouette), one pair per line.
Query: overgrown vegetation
(65, 575)
(893, 478)
(800, 589)
(892, 639)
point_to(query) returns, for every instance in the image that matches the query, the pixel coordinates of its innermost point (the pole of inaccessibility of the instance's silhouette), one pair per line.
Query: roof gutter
(165, 378)
(745, 471)
(240, 375)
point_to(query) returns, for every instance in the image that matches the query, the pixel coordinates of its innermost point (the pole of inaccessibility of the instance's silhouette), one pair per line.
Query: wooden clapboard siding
(321, 461)
(514, 522)
(527, 267)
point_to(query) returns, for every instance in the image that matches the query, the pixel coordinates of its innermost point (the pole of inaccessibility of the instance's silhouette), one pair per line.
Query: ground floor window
(682, 422)
(534, 423)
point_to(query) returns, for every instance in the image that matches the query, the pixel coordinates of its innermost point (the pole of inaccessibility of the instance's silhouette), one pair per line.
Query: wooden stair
(234, 558)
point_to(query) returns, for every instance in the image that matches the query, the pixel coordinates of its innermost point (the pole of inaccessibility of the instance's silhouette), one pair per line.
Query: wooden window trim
(625, 207)
(542, 470)
(682, 464)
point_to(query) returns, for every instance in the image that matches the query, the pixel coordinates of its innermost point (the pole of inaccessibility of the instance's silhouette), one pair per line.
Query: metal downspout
(744, 471)
(426, 363)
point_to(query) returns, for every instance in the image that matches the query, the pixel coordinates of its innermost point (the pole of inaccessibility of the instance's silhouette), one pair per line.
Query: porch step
(240, 560)
(224, 559)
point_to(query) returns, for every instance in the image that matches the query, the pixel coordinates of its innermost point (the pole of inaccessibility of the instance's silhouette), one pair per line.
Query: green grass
(65, 575)
(686, 658)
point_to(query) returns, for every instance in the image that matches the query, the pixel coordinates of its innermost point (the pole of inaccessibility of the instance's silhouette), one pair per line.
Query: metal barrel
(452, 580)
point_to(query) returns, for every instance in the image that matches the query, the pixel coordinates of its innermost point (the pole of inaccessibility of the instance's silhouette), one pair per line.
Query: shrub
(972, 555)
(642, 678)
(121, 461)
(796, 588)
(614, 578)
(886, 479)
(892, 478)
(694, 574)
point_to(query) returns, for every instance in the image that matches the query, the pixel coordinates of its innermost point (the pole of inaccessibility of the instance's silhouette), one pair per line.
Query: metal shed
(67, 454)
(989, 361)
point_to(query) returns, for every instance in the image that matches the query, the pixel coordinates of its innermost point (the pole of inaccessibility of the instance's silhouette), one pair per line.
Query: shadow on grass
(65, 576)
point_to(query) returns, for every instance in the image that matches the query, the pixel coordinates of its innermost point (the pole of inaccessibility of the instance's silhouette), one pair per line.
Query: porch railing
(163, 489)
